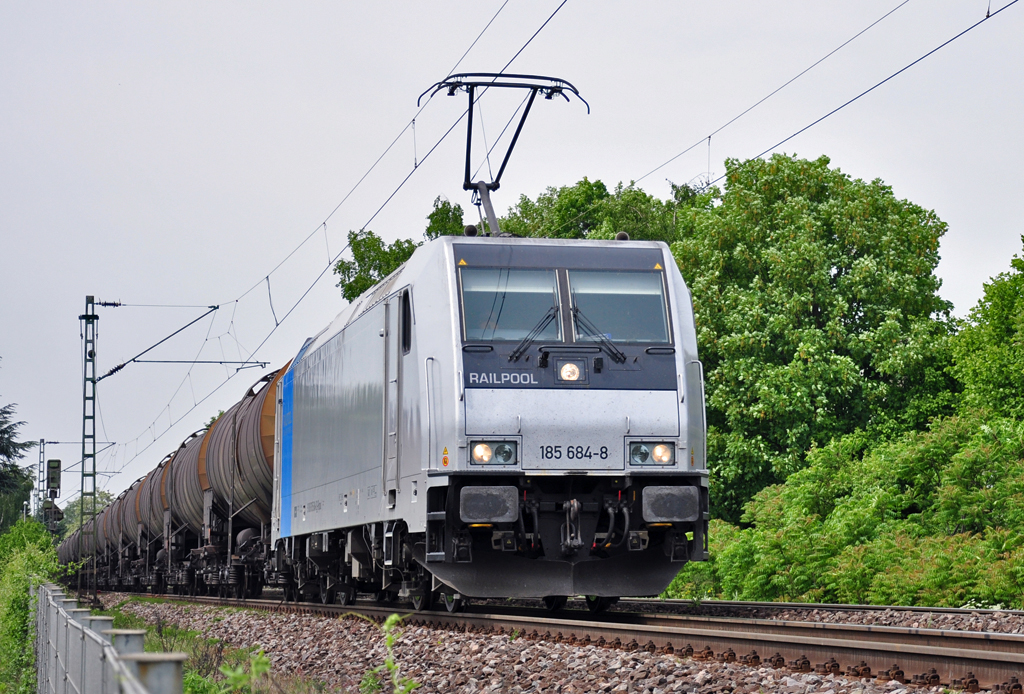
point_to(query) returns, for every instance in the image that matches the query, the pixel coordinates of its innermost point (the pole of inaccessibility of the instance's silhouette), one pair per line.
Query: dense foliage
(373, 259)
(15, 483)
(27, 555)
(989, 351)
(818, 314)
(933, 517)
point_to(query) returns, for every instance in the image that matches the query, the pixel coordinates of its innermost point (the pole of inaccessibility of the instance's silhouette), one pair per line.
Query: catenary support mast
(87, 502)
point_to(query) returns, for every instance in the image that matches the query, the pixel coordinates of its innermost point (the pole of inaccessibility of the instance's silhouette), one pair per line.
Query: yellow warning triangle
(657, 266)
(445, 451)
(462, 262)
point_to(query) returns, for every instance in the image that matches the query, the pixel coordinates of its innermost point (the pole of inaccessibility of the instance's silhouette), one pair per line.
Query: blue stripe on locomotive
(286, 454)
(287, 419)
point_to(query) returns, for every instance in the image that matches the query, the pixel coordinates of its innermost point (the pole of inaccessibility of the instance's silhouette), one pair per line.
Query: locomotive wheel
(597, 604)
(328, 596)
(453, 602)
(422, 602)
(553, 603)
(289, 593)
(348, 594)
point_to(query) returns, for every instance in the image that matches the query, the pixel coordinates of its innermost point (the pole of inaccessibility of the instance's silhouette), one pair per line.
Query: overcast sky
(176, 153)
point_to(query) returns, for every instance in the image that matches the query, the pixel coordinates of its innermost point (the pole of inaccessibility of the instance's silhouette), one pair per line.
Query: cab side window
(406, 322)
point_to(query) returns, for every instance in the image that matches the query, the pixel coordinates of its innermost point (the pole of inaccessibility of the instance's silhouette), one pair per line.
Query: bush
(27, 556)
(932, 518)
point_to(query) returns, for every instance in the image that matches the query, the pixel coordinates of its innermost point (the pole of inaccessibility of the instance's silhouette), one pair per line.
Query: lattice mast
(87, 530)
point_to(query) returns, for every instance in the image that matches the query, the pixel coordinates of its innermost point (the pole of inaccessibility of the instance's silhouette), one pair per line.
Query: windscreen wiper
(545, 321)
(617, 355)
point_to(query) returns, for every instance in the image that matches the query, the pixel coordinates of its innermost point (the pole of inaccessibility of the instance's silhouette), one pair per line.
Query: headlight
(504, 454)
(569, 372)
(651, 454)
(495, 453)
(662, 454)
(482, 453)
(639, 454)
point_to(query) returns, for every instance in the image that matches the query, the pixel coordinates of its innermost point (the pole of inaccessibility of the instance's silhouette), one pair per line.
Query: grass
(212, 667)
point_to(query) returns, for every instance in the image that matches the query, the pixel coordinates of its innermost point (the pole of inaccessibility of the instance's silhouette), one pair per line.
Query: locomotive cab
(580, 462)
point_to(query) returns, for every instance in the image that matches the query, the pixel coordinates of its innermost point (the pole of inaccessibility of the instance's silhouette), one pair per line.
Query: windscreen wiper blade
(545, 321)
(617, 355)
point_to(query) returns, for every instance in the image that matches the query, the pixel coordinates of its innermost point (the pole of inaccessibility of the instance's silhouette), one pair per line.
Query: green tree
(11, 450)
(15, 483)
(213, 418)
(27, 556)
(373, 260)
(588, 210)
(445, 220)
(73, 512)
(817, 313)
(569, 212)
(989, 351)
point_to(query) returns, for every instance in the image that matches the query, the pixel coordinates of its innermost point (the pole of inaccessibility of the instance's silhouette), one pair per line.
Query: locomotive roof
(426, 259)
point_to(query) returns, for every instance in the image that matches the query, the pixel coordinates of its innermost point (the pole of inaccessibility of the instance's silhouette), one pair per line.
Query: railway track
(958, 659)
(821, 607)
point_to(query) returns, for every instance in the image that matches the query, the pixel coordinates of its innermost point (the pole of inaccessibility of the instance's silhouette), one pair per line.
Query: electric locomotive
(499, 417)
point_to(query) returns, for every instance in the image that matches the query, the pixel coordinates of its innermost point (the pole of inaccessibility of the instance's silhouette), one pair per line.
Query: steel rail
(914, 655)
(832, 607)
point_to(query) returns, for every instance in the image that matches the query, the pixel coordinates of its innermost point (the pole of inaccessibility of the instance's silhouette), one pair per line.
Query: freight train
(499, 417)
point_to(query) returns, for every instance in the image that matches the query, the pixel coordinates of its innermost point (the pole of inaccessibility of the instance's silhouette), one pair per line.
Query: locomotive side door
(392, 397)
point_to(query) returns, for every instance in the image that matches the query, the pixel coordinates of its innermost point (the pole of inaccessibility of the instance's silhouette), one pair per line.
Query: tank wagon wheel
(553, 603)
(328, 595)
(453, 602)
(597, 604)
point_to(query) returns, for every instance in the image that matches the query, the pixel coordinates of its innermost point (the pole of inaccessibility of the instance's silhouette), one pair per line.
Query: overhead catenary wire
(761, 101)
(120, 305)
(773, 92)
(478, 37)
(872, 88)
(530, 40)
(120, 366)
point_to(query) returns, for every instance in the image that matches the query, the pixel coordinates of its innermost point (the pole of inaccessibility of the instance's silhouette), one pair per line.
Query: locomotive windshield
(506, 303)
(624, 306)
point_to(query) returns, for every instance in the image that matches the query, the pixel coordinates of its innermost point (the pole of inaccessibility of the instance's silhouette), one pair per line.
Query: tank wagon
(499, 417)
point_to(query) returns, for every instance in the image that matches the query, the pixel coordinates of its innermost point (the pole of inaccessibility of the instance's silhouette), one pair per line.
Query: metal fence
(79, 653)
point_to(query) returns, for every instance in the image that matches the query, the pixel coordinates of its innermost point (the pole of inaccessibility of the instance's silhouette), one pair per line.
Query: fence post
(76, 654)
(159, 673)
(80, 615)
(101, 625)
(126, 641)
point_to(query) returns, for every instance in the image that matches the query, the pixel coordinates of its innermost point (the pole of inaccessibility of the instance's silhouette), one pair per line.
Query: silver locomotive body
(498, 418)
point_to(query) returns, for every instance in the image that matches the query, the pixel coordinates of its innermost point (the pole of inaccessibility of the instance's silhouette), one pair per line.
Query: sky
(179, 156)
